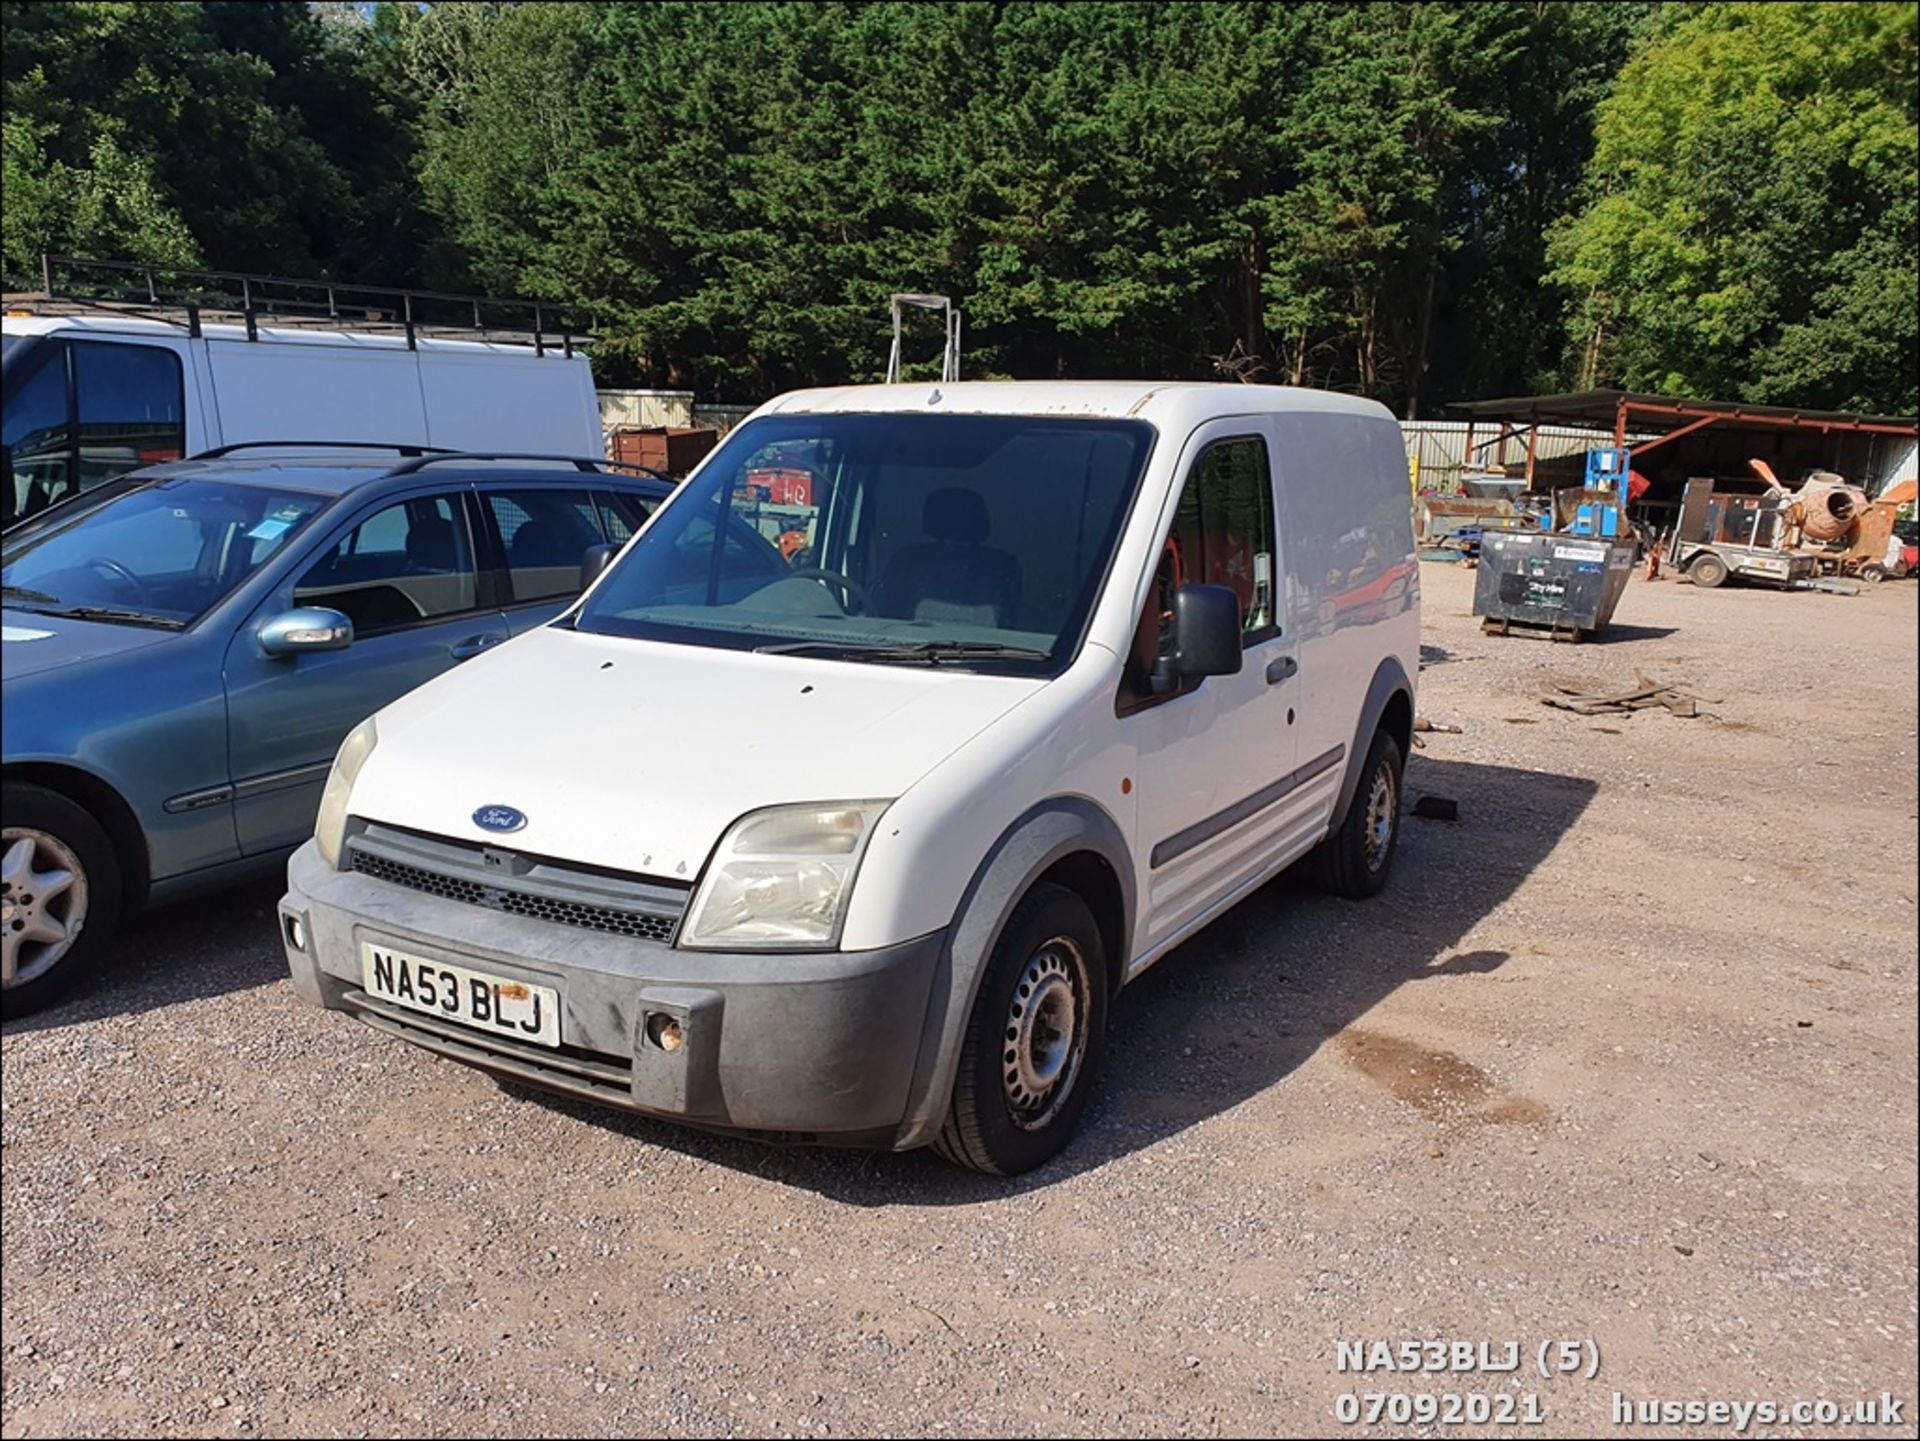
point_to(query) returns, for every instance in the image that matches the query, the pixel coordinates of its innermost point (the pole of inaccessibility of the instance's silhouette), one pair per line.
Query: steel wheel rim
(43, 903)
(1045, 1036)
(1380, 817)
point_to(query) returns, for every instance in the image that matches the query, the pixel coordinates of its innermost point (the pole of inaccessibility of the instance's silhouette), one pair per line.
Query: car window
(164, 550)
(1222, 534)
(544, 533)
(129, 399)
(411, 561)
(622, 514)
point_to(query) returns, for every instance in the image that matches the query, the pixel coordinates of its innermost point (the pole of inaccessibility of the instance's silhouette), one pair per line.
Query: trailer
(1714, 563)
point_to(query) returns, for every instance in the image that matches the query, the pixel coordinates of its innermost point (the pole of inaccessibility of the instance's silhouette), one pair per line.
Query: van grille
(538, 890)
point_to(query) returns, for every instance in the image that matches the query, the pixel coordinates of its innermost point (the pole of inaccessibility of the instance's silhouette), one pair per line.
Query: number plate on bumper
(513, 1009)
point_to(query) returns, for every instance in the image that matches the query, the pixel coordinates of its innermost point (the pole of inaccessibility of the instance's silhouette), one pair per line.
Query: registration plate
(513, 1009)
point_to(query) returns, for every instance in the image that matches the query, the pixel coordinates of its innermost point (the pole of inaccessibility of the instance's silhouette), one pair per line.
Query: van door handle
(1279, 670)
(472, 646)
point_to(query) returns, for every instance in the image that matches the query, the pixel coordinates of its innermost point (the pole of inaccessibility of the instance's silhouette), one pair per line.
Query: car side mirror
(308, 628)
(1206, 636)
(596, 559)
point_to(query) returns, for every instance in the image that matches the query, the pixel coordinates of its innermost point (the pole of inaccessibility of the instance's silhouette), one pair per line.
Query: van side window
(1223, 535)
(37, 435)
(410, 562)
(131, 408)
(544, 534)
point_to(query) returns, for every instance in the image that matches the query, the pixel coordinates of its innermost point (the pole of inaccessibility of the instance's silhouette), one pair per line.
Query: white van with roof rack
(111, 367)
(839, 808)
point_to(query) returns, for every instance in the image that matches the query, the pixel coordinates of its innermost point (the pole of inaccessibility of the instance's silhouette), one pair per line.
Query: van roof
(108, 325)
(1085, 399)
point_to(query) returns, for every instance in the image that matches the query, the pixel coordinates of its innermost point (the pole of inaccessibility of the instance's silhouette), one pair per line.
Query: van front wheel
(1357, 856)
(1033, 1043)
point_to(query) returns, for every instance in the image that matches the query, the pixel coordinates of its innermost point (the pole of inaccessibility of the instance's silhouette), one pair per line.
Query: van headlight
(781, 877)
(330, 828)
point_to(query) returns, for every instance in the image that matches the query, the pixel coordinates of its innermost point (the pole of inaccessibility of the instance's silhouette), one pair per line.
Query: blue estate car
(186, 646)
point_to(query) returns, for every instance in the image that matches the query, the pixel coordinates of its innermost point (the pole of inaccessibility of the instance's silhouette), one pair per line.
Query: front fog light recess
(330, 827)
(781, 877)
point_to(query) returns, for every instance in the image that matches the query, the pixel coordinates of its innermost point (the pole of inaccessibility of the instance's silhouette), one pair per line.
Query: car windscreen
(975, 540)
(161, 552)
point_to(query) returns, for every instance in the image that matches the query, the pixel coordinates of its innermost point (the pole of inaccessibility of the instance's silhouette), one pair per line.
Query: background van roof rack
(73, 286)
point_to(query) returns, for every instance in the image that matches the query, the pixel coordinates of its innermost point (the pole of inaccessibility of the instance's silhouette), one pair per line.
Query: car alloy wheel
(43, 903)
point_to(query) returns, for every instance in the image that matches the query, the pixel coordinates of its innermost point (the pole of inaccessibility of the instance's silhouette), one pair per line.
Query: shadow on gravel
(207, 946)
(1236, 1009)
(1617, 634)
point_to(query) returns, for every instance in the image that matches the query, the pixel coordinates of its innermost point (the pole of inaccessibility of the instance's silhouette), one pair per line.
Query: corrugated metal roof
(1662, 413)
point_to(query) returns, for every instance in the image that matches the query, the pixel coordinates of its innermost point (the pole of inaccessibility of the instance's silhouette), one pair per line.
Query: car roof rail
(406, 448)
(580, 463)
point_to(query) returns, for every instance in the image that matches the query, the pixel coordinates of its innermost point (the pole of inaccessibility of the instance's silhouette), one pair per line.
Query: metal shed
(1679, 439)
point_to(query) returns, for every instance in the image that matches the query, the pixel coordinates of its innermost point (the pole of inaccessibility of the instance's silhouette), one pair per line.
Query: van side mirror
(308, 628)
(596, 559)
(1206, 636)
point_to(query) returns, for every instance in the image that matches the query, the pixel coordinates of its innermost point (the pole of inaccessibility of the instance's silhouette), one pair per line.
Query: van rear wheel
(1357, 856)
(1033, 1043)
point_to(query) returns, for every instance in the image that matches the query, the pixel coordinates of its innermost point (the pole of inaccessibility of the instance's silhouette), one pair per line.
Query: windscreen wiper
(926, 652)
(21, 592)
(117, 616)
(822, 647)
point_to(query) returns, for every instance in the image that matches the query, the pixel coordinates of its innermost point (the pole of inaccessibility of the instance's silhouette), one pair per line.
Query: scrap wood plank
(1647, 693)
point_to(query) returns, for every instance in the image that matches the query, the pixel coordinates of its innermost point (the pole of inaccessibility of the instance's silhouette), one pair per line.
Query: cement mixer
(1837, 524)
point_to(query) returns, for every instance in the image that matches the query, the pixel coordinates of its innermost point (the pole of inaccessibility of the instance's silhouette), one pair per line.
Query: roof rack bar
(579, 463)
(406, 448)
(171, 294)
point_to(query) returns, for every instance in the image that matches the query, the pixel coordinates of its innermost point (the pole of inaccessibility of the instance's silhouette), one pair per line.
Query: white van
(90, 397)
(913, 726)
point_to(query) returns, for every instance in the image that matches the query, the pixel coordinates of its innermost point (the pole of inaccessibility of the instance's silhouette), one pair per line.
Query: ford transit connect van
(840, 810)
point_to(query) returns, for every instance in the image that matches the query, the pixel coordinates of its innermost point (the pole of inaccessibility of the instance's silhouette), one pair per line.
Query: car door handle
(473, 645)
(1279, 670)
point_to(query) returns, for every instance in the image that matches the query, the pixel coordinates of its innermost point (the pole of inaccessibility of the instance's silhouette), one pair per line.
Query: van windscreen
(979, 540)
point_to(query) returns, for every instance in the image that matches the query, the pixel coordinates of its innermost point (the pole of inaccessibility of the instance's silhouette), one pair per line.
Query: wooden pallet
(1566, 634)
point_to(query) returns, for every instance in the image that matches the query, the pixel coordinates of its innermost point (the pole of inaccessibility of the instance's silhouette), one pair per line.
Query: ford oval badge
(499, 819)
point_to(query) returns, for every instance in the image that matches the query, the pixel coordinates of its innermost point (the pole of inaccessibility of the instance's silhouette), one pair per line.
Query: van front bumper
(803, 1046)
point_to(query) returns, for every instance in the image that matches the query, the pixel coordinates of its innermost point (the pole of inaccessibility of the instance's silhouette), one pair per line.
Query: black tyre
(1357, 856)
(1873, 574)
(1709, 571)
(1034, 1041)
(62, 896)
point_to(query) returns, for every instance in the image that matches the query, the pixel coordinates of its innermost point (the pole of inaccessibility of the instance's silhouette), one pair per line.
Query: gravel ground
(1627, 1055)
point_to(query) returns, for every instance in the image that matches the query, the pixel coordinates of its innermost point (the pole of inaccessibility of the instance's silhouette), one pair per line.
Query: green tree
(1749, 223)
(240, 135)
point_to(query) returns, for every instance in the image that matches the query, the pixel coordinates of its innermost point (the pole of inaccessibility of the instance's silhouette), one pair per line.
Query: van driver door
(1218, 798)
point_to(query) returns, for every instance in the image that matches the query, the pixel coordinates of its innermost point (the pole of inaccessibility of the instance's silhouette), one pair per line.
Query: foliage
(1749, 224)
(1353, 196)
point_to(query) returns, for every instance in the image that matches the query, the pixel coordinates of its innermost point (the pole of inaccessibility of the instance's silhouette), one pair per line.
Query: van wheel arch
(1388, 707)
(1068, 841)
(1090, 876)
(106, 805)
